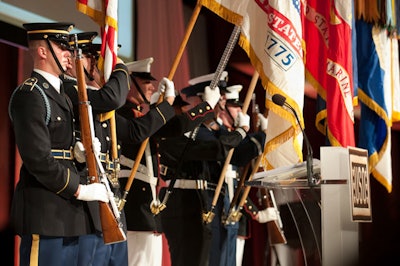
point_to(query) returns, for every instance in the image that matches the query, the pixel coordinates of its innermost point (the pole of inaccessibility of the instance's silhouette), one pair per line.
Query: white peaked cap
(141, 66)
(233, 92)
(208, 77)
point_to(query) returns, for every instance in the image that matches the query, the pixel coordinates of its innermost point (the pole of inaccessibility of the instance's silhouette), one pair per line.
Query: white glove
(263, 121)
(167, 87)
(242, 120)
(93, 192)
(154, 98)
(211, 96)
(79, 152)
(267, 215)
(96, 145)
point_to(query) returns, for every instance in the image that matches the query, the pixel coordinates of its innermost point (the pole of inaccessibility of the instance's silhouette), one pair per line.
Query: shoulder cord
(44, 97)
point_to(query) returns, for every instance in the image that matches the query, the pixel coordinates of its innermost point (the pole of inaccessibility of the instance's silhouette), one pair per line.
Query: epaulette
(28, 84)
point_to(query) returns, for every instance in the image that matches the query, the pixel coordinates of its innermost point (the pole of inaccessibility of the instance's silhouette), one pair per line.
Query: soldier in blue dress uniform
(50, 204)
(103, 98)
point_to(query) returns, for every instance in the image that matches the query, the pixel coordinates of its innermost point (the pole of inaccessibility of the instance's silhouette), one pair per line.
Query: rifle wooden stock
(112, 233)
(275, 233)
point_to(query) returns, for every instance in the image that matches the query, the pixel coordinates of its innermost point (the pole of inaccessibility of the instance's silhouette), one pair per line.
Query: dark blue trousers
(52, 251)
(93, 251)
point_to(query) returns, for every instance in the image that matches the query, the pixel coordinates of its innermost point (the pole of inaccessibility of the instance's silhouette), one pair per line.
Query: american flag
(105, 14)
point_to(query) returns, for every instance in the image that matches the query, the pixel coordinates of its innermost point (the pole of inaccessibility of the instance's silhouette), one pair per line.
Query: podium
(317, 219)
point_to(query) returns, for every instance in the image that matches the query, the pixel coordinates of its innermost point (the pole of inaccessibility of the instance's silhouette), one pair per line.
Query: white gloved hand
(242, 120)
(154, 98)
(93, 192)
(211, 96)
(167, 87)
(96, 145)
(263, 121)
(267, 215)
(79, 152)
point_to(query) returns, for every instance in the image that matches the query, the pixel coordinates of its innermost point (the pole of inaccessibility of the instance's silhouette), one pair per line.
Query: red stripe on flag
(281, 25)
(111, 43)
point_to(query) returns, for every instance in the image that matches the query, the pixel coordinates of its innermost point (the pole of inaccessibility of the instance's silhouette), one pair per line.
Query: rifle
(112, 232)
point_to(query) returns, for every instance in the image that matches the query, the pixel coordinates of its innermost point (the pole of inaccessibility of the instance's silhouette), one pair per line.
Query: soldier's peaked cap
(198, 84)
(141, 68)
(54, 31)
(232, 95)
(84, 41)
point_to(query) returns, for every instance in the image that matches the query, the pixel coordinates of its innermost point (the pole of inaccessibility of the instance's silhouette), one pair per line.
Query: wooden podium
(318, 219)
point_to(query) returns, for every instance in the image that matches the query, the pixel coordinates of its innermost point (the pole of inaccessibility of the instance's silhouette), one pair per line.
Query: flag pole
(171, 74)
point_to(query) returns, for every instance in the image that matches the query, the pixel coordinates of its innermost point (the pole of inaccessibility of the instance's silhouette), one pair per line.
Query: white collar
(53, 80)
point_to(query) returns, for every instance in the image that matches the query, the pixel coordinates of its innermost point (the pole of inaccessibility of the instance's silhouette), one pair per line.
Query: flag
(378, 69)
(328, 36)
(316, 39)
(339, 76)
(105, 14)
(271, 35)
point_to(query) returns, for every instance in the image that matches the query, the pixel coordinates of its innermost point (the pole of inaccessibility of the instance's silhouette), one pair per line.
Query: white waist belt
(129, 163)
(189, 184)
(125, 173)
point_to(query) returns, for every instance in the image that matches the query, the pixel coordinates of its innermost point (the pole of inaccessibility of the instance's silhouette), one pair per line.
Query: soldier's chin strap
(140, 91)
(54, 56)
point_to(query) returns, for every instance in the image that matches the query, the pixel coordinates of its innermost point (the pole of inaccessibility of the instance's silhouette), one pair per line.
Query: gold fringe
(223, 12)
